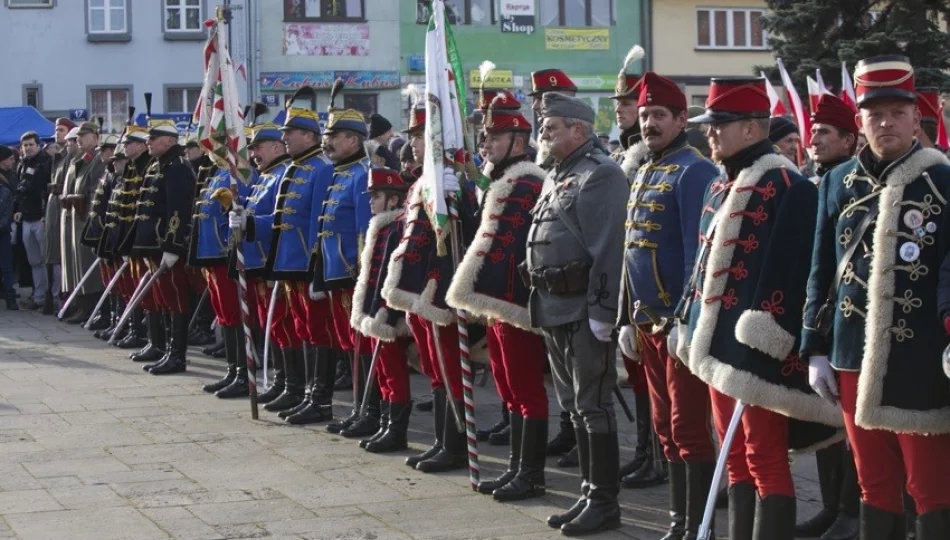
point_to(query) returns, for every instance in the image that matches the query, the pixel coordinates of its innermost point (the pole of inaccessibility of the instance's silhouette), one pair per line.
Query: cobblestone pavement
(92, 447)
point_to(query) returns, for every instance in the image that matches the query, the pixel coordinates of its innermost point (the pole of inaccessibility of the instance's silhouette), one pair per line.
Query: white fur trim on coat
(870, 413)
(372, 326)
(461, 294)
(733, 382)
(633, 157)
(759, 330)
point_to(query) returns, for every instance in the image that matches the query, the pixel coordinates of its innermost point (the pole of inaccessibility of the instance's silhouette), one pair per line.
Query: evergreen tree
(812, 34)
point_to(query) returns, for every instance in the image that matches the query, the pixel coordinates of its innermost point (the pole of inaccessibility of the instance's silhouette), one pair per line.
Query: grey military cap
(559, 105)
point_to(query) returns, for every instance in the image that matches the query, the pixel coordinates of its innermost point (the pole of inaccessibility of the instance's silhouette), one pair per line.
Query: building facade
(95, 58)
(588, 39)
(315, 42)
(693, 41)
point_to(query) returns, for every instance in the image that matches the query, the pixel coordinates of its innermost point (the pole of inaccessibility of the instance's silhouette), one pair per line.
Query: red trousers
(341, 304)
(170, 290)
(679, 403)
(759, 452)
(282, 326)
(636, 375)
(518, 359)
(448, 342)
(106, 271)
(138, 269)
(223, 294)
(312, 321)
(197, 280)
(392, 370)
(889, 461)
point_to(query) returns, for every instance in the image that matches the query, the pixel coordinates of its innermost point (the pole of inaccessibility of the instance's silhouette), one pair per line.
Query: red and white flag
(814, 92)
(847, 87)
(798, 110)
(777, 107)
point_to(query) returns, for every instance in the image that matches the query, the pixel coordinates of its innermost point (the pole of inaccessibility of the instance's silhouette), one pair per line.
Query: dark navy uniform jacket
(95, 226)
(163, 211)
(895, 291)
(120, 214)
(666, 201)
(371, 315)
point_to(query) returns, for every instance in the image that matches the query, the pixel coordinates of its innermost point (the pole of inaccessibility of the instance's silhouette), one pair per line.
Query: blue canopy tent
(15, 121)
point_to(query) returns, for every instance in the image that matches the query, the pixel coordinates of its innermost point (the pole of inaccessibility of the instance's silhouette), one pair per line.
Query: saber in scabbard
(371, 377)
(136, 300)
(105, 293)
(705, 528)
(138, 288)
(659, 323)
(270, 321)
(623, 404)
(75, 294)
(201, 302)
(357, 371)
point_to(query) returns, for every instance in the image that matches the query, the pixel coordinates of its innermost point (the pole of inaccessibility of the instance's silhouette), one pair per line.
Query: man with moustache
(308, 383)
(740, 315)
(80, 185)
(662, 233)
(833, 139)
(574, 257)
(159, 236)
(542, 82)
(339, 236)
(877, 325)
(52, 248)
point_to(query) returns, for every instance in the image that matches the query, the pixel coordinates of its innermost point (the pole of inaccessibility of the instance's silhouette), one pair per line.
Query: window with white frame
(29, 3)
(182, 15)
(181, 99)
(108, 16)
(112, 104)
(730, 28)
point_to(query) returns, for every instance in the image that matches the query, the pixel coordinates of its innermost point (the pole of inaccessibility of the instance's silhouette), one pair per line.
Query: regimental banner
(517, 17)
(577, 39)
(500, 78)
(337, 39)
(288, 81)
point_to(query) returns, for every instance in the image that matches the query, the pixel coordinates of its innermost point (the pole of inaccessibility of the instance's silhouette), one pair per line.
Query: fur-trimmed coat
(893, 297)
(745, 315)
(631, 158)
(487, 283)
(370, 315)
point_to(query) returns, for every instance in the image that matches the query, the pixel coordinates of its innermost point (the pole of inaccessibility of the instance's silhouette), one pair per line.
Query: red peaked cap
(833, 111)
(658, 90)
(550, 80)
(504, 115)
(928, 101)
(884, 77)
(735, 98)
(383, 178)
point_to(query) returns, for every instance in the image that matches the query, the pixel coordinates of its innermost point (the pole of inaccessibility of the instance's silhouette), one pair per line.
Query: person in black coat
(6, 220)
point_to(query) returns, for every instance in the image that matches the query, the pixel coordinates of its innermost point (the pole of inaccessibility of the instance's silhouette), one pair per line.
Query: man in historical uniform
(928, 103)
(542, 82)
(95, 228)
(159, 236)
(267, 149)
(633, 151)
(308, 386)
(417, 280)
(52, 248)
(80, 186)
(150, 337)
(385, 327)
(833, 138)
(487, 284)
(741, 313)
(574, 257)
(338, 236)
(878, 308)
(662, 226)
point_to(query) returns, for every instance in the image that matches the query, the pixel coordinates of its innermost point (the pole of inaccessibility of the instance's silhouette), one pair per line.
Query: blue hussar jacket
(261, 199)
(304, 181)
(663, 211)
(209, 229)
(339, 232)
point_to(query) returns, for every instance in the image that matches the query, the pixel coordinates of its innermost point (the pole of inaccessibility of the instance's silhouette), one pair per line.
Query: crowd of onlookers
(30, 177)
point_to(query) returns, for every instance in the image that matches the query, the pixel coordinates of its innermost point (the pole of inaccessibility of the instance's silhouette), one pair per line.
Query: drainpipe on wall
(646, 32)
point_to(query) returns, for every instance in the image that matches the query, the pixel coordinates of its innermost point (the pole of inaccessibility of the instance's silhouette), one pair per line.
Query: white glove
(450, 182)
(821, 377)
(316, 295)
(628, 342)
(169, 259)
(601, 330)
(672, 341)
(237, 220)
(125, 258)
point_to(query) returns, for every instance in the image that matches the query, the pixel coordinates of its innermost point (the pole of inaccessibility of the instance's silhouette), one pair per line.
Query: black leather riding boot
(438, 421)
(516, 425)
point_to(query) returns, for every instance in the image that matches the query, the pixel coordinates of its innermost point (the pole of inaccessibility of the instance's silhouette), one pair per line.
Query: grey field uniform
(575, 248)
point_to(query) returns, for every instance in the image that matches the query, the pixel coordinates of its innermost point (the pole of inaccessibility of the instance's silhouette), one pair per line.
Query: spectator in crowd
(784, 135)
(34, 177)
(6, 220)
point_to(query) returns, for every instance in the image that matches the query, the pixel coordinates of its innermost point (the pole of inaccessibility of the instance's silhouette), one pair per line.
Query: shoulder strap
(850, 249)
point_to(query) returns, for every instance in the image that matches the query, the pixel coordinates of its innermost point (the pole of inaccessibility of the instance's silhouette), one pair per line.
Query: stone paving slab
(92, 447)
